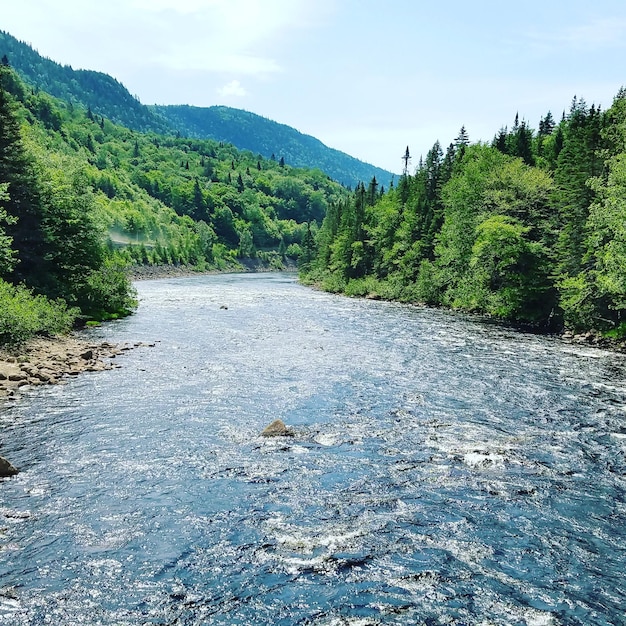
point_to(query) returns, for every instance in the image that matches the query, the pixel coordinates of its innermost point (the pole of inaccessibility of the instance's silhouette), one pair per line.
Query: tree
(24, 204)
(596, 296)
(461, 142)
(546, 125)
(7, 254)
(308, 249)
(490, 184)
(506, 277)
(406, 159)
(577, 162)
(372, 192)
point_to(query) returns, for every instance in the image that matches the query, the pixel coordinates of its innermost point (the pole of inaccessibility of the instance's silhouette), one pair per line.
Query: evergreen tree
(406, 159)
(546, 125)
(461, 142)
(372, 193)
(24, 204)
(577, 163)
(500, 140)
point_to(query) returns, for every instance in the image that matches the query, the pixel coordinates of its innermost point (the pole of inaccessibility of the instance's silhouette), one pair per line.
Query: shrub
(24, 315)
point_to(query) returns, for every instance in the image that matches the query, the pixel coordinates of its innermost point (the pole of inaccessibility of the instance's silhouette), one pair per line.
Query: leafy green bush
(108, 293)
(24, 315)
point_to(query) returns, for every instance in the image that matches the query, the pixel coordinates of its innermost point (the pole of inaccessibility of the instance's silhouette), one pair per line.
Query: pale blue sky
(365, 77)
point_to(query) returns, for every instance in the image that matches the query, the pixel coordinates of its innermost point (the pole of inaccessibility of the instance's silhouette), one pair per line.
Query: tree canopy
(529, 229)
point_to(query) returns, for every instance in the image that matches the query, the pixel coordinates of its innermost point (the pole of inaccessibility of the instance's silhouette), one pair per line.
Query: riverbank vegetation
(83, 199)
(528, 228)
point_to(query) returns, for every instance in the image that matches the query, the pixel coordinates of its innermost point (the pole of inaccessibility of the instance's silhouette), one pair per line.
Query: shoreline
(251, 266)
(53, 360)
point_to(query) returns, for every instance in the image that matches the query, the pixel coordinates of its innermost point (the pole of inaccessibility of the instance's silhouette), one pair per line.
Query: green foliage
(530, 229)
(107, 293)
(82, 198)
(23, 314)
(7, 254)
(505, 277)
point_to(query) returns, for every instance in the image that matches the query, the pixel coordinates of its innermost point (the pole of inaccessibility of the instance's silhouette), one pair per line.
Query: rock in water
(277, 429)
(6, 469)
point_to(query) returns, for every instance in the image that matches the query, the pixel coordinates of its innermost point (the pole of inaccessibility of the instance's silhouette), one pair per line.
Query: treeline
(530, 228)
(82, 198)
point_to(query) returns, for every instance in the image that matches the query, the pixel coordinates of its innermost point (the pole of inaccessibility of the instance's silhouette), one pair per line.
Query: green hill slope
(105, 96)
(84, 88)
(261, 135)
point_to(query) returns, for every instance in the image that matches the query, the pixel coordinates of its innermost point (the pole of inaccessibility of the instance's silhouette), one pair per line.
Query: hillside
(83, 88)
(107, 97)
(263, 136)
(82, 198)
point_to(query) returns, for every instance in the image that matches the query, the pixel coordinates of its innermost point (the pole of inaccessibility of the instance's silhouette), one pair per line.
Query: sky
(365, 77)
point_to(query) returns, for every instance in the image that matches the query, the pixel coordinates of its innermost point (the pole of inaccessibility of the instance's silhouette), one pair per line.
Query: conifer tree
(576, 164)
(24, 204)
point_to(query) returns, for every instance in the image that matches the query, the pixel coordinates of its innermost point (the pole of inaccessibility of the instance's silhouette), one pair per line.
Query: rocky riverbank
(49, 361)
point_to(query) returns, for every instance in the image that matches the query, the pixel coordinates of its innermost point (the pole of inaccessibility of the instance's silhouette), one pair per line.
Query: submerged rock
(6, 469)
(277, 429)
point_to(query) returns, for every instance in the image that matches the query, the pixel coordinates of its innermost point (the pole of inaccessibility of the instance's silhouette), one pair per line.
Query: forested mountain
(81, 198)
(256, 133)
(96, 91)
(105, 96)
(528, 228)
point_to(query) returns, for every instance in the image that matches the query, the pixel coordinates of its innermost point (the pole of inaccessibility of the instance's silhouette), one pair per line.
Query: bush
(108, 293)
(24, 315)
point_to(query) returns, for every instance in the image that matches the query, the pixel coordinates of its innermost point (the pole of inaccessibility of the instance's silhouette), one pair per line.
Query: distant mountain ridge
(249, 131)
(106, 96)
(97, 91)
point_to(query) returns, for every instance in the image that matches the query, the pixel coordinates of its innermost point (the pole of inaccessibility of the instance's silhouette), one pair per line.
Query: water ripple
(442, 471)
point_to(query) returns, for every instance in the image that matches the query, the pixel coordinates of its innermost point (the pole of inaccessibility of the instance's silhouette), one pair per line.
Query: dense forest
(82, 199)
(529, 228)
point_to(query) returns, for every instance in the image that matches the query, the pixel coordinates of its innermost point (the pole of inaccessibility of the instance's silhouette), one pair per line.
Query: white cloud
(233, 89)
(224, 36)
(219, 36)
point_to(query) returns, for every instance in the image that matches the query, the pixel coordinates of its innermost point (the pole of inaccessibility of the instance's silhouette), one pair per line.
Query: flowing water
(443, 471)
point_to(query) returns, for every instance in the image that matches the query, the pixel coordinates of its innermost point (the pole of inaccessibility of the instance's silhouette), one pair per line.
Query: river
(443, 470)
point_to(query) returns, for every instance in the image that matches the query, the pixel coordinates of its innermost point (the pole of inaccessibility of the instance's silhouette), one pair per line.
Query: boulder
(277, 429)
(6, 469)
